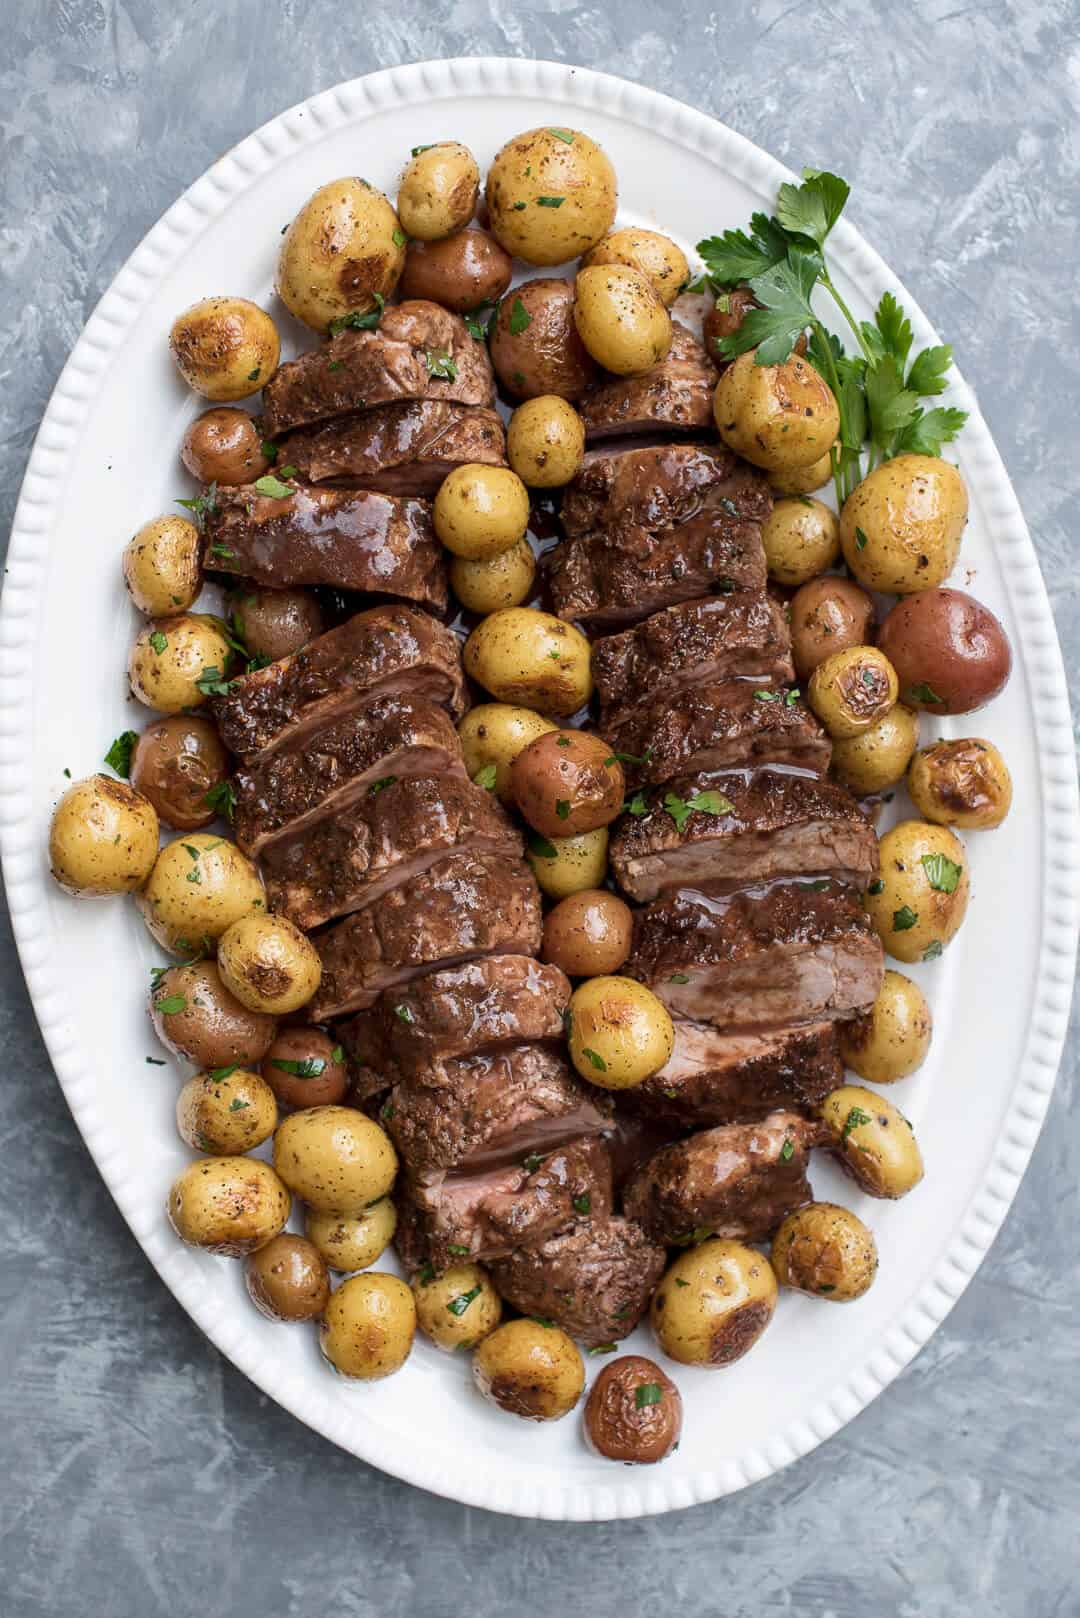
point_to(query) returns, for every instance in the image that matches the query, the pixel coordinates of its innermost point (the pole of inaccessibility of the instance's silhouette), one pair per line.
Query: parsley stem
(825, 280)
(834, 383)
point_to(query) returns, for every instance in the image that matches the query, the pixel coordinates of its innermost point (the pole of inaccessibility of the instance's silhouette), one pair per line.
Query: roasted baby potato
(920, 897)
(620, 1034)
(225, 348)
(873, 1141)
(351, 1242)
(177, 764)
(492, 735)
(103, 838)
(194, 1014)
(777, 416)
(647, 251)
(802, 479)
(438, 190)
(900, 529)
(368, 1326)
(713, 1303)
(162, 566)
(345, 245)
(497, 582)
(551, 195)
(621, 319)
(533, 658)
(457, 1309)
(826, 1251)
(634, 1412)
(170, 656)
(962, 783)
(227, 1112)
(199, 886)
(335, 1159)
(305, 1068)
(567, 782)
(530, 1370)
(950, 652)
(274, 623)
(269, 964)
(287, 1279)
(850, 691)
(878, 757)
(461, 271)
(545, 442)
(535, 347)
(565, 865)
(228, 1205)
(480, 511)
(828, 615)
(224, 445)
(588, 934)
(890, 1041)
(801, 539)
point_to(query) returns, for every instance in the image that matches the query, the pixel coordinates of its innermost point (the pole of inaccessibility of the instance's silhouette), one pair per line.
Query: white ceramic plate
(105, 460)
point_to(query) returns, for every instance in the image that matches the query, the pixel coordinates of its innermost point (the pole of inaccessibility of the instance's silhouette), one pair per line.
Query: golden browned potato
(228, 1205)
(345, 245)
(634, 1412)
(567, 782)
(551, 194)
(891, 1040)
(171, 656)
(900, 529)
(588, 934)
(545, 442)
(225, 348)
(524, 656)
(530, 1370)
(351, 1242)
(778, 417)
(801, 539)
(850, 691)
(274, 623)
(480, 511)
(873, 1141)
(178, 764)
(802, 479)
(920, 896)
(962, 783)
(163, 566)
(620, 1034)
(199, 886)
(269, 964)
(287, 1279)
(438, 190)
(102, 838)
(565, 865)
(457, 1309)
(647, 251)
(499, 581)
(224, 445)
(194, 1014)
(621, 319)
(713, 1303)
(828, 615)
(368, 1326)
(461, 272)
(534, 343)
(826, 1251)
(335, 1159)
(227, 1112)
(492, 735)
(305, 1068)
(878, 757)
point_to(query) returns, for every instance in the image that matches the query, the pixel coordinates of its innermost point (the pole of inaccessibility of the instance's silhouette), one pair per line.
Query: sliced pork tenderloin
(675, 396)
(594, 1280)
(714, 1077)
(736, 724)
(400, 449)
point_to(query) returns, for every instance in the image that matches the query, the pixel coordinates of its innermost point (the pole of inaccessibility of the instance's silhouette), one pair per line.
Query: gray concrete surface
(139, 1474)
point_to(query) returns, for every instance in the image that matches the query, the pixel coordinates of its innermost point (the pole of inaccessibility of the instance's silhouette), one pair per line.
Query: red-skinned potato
(461, 271)
(828, 615)
(305, 1068)
(567, 782)
(176, 763)
(950, 653)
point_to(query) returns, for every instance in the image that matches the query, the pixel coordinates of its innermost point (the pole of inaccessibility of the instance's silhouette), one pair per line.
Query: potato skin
(225, 348)
(653, 255)
(722, 319)
(913, 919)
(350, 1242)
(900, 529)
(495, 733)
(950, 652)
(228, 1205)
(226, 1113)
(826, 1251)
(102, 838)
(199, 886)
(534, 343)
(545, 442)
(962, 783)
(457, 1309)
(891, 1040)
(176, 762)
(543, 164)
(620, 1034)
(275, 623)
(287, 1279)
(565, 865)
(873, 1141)
(567, 782)
(269, 964)
(224, 445)
(533, 658)
(368, 1326)
(168, 657)
(617, 1426)
(851, 691)
(162, 566)
(787, 480)
(481, 511)
(499, 581)
(778, 417)
(713, 1303)
(461, 271)
(211, 1028)
(877, 758)
(344, 245)
(438, 190)
(828, 615)
(621, 319)
(335, 1159)
(306, 1049)
(530, 1370)
(588, 934)
(801, 539)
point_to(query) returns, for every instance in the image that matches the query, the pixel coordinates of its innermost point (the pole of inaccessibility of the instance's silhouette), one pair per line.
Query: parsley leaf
(926, 434)
(636, 806)
(596, 1059)
(479, 320)
(942, 873)
(118, 757)
(892, 407)
(736, 256)
(812, 209)
(550, 202)
(520, 318)
(171, 1005)
(566, 135)
(648, 1393)
(542, 847)
(784, 293)
(272, 487)
(222, 799)
(440, 364)
(904, 918)
(309, 1068)
(854, 1120)
(158, 642)
(486, 777)
(457, 1306)
(212, 683)
(360, 320)
(704, 803)
(203, 506)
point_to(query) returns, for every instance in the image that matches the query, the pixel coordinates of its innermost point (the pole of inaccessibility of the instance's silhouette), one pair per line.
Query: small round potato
(826, 1251)
(498, 582)
(713, 1303)
(801, 539)
(901, 527)
(873, 1141)
(567, 782)
(545, 442)
(634, 1412)
(461, 271)
(777, 416)
(551, 195)
(351, 1242)
(225, 348)
(274, 623)
(828, 615)
(224, 445)
(620, 1034)
(621, 319)
(269, 964)
(176, 764)
(802, 479)
(228, 1205)
(305, 1068)
(457, 1309)
(336, 1159)
(920, 897)
(227, 1112)
(588, 934)
(890, 1041)
(850, 691)
(103, 838)
(723, 318)
(368, 1326)
(494, 733)
(950, 652)
(438, 190)
(524, 656)
(344, 245)
(877, 758)
(565, 865)
(534, 343)
(199, 886)
(480, 511)
(163, 566)
(195, 1015)
(170, 656)
(962, 783)
(647, 251)
(287, 1279)
(530, 1370)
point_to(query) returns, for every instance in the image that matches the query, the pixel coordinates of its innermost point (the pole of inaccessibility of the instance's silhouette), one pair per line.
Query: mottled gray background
(139, 1474)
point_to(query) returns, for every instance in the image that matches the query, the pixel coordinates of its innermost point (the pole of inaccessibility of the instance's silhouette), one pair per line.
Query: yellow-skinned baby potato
(825, 1251)
(492, 735)
(655, 256)
(480, 511)
(713, 1304)
(962, 783)
(532, 658)
(163, 566)
(877, 758)
(620, 1033)
(228, 1112)
(171, 655)
(567, 783)
(901, 528)
(920, 896)
(565, 865)
(287, 1280)
(438, 190)
(621, 319)
(335, 1159)
(225, 348)
(345, 245)
(228, 1205)
(457, 1309)
(779, 417)
(530, 1370)
(852, 690)
(499, 581)
(368, 1326)
(269, 964)
(102, 838)
(545, 442)
(199, 886)
(891, 1040)
(551, 195)
(351, 1242)
(873, 1141)
(801, 539)
(790, 480)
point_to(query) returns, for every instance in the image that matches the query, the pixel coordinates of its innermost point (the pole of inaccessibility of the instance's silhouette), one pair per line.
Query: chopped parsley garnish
(158, 642)
(636, 806)
(222, 799)
(269, 450)
(253, 376)
(787, 1151)
(337, 1054)
(310, 1068)
(403, 1013)
(201, 507)
(238, 1105)
(457, 1249)
(704, 803)
(596, 1059)
(648, 1393)
(272, 487)
(440, 364)
(542, 847)
(583, 1204)
(399, 238)
(457, 1306)
(334, 365)
(541, 1320)
(925, 693)
(933, 950)
(942, 873)
(854, 1120)
(904, 918)
(381, 784)
(416, 153)
(171, 1005)
(219, 1073)
(820, 884)
(861, 540)
(486, 777)
(359, 319)
(222, 550)
(518, 207)
(118, 757)
(877, 886)
(426, 1275)
(566, 135)
(520, 318)
(602, 1348)
(550, 202)
(212, 683)
(532, 1162)
(678, 977)
(479, 320)
(156, 1061)
(679, 1282)
(562, 808)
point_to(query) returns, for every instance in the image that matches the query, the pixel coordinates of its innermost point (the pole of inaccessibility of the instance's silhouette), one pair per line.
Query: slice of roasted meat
(741, 723)
(714, 1077)
(675, 396)
(398, 449)
(594, 1280)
